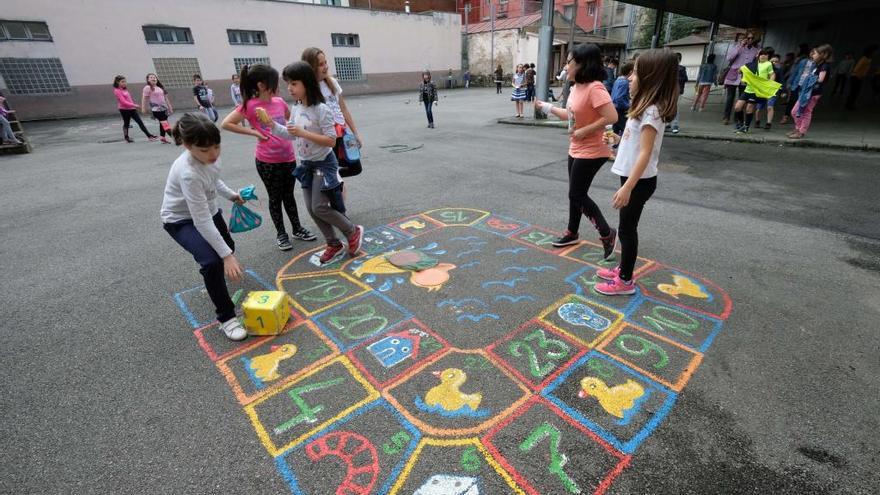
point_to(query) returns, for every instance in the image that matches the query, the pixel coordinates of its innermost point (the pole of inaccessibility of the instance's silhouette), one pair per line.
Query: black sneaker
(566, 240)
(303, 234)
(608, 243)
(283, 242)
(768, 127)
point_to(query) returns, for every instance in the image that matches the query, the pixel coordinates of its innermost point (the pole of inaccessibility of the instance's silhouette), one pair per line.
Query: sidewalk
(832, 127)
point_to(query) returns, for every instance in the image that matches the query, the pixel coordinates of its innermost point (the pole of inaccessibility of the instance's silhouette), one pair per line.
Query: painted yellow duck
(682, 286)
(265, 366)
(615, 400)
(447, 394)
(424, 271)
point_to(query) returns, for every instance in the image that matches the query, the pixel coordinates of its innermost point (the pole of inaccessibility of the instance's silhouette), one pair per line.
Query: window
(237, 37)
(20, 30)
(568, 10)
(176, 72)
(167, 34)
(340, 39)
(34, 76)
(241, 62)
(348, 68)
(591, 8)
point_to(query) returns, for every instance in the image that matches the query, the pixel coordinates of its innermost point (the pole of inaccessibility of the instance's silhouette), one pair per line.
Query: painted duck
(448, 394)
(615, 400)
(265, 366)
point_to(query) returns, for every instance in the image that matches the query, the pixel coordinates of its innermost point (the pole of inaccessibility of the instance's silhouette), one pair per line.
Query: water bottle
(352, 151)
(609, 137)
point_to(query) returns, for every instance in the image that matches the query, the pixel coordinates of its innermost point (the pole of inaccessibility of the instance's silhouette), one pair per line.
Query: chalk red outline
(554, 251)
(660, 296)
(568, 250)
(242, 346)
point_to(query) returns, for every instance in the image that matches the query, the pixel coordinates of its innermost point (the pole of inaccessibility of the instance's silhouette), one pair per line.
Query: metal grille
(176, 72)
(34, 76)
(241, 62)
(348, 68)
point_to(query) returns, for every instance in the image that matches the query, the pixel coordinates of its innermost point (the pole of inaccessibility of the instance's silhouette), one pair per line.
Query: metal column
(545, 51)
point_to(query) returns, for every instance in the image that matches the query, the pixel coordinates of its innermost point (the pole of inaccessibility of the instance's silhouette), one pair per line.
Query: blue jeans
(428, 105)
(185, 233)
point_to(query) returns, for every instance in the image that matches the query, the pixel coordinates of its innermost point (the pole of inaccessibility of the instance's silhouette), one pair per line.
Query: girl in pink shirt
(275, 158)
(128, 109)
(156, 99)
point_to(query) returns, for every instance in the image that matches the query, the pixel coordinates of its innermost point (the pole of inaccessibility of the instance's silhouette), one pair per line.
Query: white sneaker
(233, 330)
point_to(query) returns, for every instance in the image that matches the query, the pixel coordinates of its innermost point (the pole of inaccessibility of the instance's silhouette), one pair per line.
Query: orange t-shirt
(585, 100)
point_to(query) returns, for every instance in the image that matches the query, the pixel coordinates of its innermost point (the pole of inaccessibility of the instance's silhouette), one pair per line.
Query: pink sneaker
(608, 273)
(330, 252)
(616, 287)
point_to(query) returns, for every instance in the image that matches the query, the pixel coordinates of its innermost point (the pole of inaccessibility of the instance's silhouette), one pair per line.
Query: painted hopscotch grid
(501, 225)
(195, 313)
(312, 294)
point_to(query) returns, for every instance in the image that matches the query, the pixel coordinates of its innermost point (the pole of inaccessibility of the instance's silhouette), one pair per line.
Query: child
(519, 91)
(332, 92)
(654, 86)
(770, 106)
(530, 81)
(620, 97)
(275, 158)
(235, 94)
(499, 77)
(311, 127)
(128, 109)
(705, 79)
(811, 91)
(191, 216)
(7, 136)
(682, 80)
(159, 102)
(756, 91)
(428, 96)
(204, 97)
(589, 110)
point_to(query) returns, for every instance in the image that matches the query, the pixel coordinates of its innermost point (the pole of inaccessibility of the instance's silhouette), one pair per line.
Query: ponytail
(195, 129)
(250, 76)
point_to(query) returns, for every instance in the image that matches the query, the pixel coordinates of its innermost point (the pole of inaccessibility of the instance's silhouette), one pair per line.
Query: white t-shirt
(332, 100)
(628, 150)
(317, 119)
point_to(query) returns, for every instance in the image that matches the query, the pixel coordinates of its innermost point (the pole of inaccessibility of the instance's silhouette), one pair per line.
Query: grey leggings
(322, 213)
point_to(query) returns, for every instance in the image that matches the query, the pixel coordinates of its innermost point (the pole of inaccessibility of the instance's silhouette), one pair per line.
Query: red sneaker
(330, 252)
(354, 240)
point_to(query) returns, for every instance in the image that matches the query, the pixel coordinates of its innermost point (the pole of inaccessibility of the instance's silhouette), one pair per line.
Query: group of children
(650, 102)
(301, 142)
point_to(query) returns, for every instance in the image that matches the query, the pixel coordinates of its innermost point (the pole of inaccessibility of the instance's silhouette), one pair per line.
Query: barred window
(239, 37)
(342, 39)
(241, 62)
(348, 68)
(167, 35)
(176, 72)
(22, 30)
(34, 76)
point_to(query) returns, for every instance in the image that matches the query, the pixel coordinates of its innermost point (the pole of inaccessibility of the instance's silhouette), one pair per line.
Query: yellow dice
(265, 312)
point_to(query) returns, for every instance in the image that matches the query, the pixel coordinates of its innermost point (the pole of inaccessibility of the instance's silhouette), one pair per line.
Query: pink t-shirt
(156, 96)
(274, 149)
(123, 98)
(584, 100)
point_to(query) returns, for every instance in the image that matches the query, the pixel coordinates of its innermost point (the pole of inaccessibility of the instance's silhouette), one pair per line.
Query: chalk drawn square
(621, 406)
(583, 283)
(584, 320)
(540, 238)
(277, 360)
(415, 225)
(453, 467)
(679, 288)
(363, 452)
(217, 346)
(662, 359)
(196, 305)
(500, 225)
(382, 239)
(390, 355)
(461, 217)
(457, 393)
(287, 416)
(547, 452)
(593, 254)
(309, 263)
(690, 328)
(536, 353)
(311, 294)
(359, 319)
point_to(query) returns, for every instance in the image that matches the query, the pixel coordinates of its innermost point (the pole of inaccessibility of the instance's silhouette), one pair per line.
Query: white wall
(510, 49)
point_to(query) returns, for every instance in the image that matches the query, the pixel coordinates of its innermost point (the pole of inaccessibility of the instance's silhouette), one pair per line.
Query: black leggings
(627, 229)
(497, 88)
(127, 116)
(580, 175)
(730, 97)
(279, 182)
(347, 168)
(161, 117)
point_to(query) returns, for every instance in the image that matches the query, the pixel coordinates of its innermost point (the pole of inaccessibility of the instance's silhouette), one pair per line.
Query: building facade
(58, 59)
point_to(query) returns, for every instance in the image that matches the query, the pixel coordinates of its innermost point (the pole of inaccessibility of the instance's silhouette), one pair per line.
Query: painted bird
(265, 366)
(447, 394)
(615, 400)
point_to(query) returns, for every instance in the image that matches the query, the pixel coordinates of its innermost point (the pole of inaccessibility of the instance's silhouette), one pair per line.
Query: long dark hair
(195, 129)
(253, 74)
(116, 81)
(302, 72)
(589, 57)
(158, 82)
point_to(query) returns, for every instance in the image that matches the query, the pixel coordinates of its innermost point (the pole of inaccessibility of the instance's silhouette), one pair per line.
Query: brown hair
(310, 56)
(195, 129)
(657, 73)
(825, 51)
